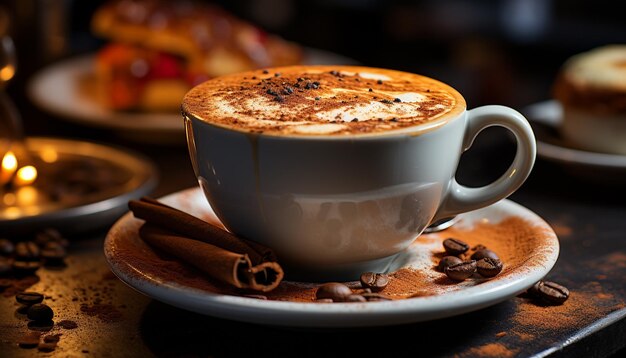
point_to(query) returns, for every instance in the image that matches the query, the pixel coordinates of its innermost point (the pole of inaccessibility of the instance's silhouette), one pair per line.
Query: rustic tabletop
(112, 319)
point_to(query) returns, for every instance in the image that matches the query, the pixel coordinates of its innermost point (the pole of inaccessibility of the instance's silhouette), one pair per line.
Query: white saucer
(138, 266)
(62, 89)
(546, 118)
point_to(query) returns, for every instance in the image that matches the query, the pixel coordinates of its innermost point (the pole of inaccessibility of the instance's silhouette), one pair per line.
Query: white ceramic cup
(333, 207)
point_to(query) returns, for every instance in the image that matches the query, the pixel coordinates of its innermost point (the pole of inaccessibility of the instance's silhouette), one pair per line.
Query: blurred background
(493, 51)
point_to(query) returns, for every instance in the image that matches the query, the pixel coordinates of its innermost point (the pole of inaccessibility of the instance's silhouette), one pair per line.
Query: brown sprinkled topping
(284, 103)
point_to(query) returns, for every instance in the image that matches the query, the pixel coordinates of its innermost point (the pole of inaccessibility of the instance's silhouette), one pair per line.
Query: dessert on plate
(591, 87)
(157, 50)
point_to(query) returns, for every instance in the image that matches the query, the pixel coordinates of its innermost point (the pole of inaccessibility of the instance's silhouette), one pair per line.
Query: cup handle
(460, 198)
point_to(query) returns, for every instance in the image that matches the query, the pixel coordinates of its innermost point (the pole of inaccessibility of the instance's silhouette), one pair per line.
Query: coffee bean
(41, 326)
(460, 272)
(5, 265)
(25, 267)
(40, 312)
(53, 253)
(374, 281)
(67, 324)
(370, 297)
(337, 292)
(27, 251)
(6, 247)
(488, 267)
(29, 340)
(448, 261)
(479, 247)
(52, 338)
(482, 253)
(455, 247)
(356, 298)
(50, 235)
(47, 347)
(29, 298)
(549, 292)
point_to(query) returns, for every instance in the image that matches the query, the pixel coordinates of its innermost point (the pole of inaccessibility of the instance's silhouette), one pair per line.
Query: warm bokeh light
(12, 212)
(6, 73)
(26, 195)
(9, 165)
(9, 199)
(25, 175)
(9, 162)
(49, 154)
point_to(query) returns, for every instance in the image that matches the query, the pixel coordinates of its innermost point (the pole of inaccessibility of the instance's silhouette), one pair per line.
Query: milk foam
(322, 100)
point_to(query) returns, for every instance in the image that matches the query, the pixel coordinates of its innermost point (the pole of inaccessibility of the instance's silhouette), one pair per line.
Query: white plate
(547, 117)
(98, 209)
(60, 89)
(126, 254)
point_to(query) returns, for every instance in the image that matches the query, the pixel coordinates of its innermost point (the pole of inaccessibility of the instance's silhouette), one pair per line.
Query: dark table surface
(589, 216)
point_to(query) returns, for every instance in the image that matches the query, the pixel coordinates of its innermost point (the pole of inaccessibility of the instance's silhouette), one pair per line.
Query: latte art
(322, 100)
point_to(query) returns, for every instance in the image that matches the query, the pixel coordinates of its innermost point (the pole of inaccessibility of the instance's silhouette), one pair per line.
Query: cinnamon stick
(167, 217)
(229, 267)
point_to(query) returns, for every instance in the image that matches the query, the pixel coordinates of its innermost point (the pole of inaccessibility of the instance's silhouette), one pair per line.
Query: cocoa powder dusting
(105, 312)
(490, 350)
(518, 242)
(16, 285)
(580, 309)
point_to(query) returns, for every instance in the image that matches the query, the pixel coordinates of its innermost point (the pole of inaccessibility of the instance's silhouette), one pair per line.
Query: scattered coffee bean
(479, 247)
(52, 338)
(482, 253)
(53, 253)
(370, 297)
(488, 267)
(374, 281)
(50, 235)
(335, 291)
(6, 247)
(455, 247)
(41, 326)
(40, 312)
(67, 324)
(549, 292)
(29, 298)
(47, 347)
(25, 267)
(5, 265)
(460, 272)
(29, 340)
(356, 298)
(27, 251)
(448, 261)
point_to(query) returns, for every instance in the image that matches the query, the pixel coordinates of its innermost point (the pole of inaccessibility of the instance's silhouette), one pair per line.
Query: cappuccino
(323, 100)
